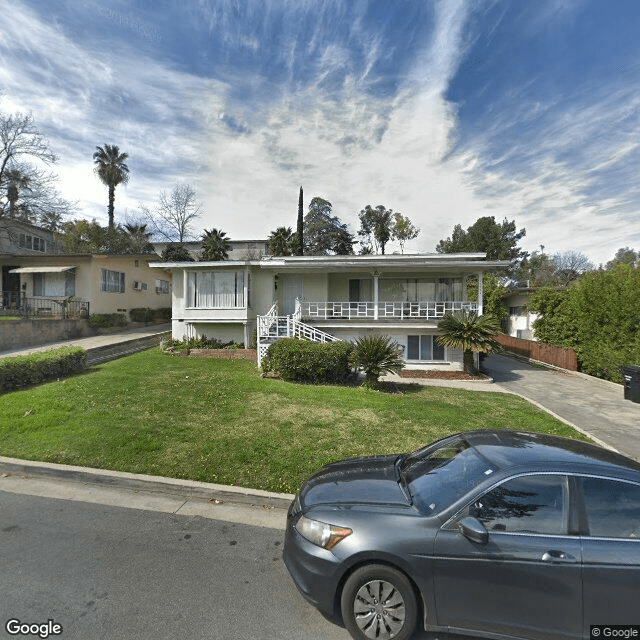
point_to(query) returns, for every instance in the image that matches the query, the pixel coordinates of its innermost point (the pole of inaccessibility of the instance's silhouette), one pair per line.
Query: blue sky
(443, 110)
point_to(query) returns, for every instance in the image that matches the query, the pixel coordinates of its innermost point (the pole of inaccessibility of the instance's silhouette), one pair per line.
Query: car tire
(378, 603)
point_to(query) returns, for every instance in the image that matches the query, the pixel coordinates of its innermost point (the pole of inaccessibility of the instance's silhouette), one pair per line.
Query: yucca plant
(376, 355)
(470, 332)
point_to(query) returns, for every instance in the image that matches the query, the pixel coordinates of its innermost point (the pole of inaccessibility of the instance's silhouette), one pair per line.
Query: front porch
(385, 310)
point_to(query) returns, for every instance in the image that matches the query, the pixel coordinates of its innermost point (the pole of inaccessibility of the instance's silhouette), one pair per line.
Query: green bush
(23, 371)
(375, 355)
(105, 320)
(303, 361)
(200, 343)
(145, 314)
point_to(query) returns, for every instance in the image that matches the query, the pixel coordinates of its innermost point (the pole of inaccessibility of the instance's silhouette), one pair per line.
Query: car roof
(515, 450)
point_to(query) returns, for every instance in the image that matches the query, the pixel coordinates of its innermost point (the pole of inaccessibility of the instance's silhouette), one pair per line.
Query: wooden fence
(557, 356)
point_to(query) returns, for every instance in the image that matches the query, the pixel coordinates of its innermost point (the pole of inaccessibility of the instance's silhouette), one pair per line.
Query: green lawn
(219, 421)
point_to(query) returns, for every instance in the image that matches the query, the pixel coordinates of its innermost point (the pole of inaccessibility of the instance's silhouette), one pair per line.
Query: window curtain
(215, 289)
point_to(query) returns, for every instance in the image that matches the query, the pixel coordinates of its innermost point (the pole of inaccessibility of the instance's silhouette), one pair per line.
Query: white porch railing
(272, 327)
(381, 310)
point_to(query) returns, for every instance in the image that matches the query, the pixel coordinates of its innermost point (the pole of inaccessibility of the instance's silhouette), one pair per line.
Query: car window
(527, 504)
(613, 508)
(437, 480)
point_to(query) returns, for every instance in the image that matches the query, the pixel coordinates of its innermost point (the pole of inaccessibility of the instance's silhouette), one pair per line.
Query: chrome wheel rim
(379, 610)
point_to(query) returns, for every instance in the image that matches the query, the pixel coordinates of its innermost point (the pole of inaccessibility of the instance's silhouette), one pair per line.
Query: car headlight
(321, 534)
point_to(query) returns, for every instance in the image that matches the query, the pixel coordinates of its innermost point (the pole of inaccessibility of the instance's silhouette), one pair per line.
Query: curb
(143, 482)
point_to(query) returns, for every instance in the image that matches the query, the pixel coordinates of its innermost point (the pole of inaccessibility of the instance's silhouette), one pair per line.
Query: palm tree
(280, 241)
(16, 180)
(139, 238)
(111, 168)
(215, 245)
(470, 332)
(375, 355)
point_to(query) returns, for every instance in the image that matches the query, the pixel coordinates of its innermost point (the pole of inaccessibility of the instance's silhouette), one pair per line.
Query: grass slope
(219, 421)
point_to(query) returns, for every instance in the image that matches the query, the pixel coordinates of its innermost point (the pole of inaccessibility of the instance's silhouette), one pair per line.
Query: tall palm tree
(215, 245)
(470, 332)
(112, 170)
(16, 180)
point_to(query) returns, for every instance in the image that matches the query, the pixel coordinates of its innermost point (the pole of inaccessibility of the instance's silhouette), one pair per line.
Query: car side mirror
(474, 530)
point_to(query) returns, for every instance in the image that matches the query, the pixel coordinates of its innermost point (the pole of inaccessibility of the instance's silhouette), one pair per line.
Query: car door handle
(558, 556)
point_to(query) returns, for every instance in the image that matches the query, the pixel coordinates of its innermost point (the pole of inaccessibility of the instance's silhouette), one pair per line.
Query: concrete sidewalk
(96, 342)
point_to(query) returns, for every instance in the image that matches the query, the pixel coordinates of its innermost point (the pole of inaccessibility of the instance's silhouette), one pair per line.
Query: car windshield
(438, 476)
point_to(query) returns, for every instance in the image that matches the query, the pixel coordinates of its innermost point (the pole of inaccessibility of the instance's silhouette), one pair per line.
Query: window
(62, 285)
(421, 289)
(38, 244)
(112, 281)
(517, 311)
(162, 286)
(215, 289)
(424, 347)
(529, 504)
(139, 286)
(613, 508)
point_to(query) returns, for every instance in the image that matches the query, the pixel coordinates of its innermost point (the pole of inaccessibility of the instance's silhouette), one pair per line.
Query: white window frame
(213, 289)
(425, 338)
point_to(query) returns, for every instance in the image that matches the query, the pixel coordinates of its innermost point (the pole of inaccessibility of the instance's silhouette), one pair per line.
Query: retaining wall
(15, 334)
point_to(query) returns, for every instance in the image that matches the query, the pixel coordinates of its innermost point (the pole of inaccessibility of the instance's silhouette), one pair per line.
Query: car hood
(370, 480)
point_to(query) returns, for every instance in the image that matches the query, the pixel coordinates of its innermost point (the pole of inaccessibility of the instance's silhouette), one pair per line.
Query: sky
(443, 110)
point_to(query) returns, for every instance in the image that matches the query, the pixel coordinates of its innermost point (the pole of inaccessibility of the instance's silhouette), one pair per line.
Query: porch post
(480, 293)
(375, 295)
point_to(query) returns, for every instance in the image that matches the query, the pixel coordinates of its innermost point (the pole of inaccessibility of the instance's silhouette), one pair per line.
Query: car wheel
(379, 603)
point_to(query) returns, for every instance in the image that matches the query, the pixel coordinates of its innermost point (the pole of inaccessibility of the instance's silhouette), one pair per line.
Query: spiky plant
(470, 332)
(215, 245)
(376, 355)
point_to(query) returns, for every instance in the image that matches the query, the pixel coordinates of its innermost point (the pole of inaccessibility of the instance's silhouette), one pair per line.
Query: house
(22, 238)
(519, 322)
(238, 249)
(328, 298)
(83, 283)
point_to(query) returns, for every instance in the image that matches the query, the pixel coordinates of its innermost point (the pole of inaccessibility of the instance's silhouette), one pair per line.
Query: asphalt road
(110, 572)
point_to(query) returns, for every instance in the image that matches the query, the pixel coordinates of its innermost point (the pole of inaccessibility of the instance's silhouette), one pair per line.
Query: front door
(292, 288)
(526, 581)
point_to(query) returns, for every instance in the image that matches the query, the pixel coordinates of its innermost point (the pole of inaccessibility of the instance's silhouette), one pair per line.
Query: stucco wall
(29, 333)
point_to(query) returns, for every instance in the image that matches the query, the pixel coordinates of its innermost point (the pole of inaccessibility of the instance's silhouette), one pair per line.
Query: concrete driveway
(593, 406)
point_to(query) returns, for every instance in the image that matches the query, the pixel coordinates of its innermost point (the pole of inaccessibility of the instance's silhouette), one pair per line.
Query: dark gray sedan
(494, 534)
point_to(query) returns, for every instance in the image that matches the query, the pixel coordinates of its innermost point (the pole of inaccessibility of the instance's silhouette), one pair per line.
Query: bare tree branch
(173, 217)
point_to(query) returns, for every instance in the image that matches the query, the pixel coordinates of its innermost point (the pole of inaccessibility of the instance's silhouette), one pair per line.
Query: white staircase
(272, 327)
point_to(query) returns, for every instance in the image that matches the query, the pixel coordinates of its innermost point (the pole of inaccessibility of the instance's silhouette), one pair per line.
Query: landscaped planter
(231, 354)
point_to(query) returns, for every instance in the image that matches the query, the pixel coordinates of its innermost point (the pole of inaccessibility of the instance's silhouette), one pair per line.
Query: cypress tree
(300, 243)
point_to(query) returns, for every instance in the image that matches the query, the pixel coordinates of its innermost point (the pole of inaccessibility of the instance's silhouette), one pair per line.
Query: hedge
(303, 361)
(23, 371)
(104, 320)
(145, 314)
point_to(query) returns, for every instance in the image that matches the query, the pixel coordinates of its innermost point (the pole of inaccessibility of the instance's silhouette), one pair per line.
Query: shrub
(200, 343)
(105, 320)
(145, 314)
(24, 371)
(303, 361)
(375, 355)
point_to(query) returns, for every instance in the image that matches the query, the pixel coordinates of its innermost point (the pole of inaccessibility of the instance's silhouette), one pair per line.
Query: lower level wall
(225, 332)
(17, 334)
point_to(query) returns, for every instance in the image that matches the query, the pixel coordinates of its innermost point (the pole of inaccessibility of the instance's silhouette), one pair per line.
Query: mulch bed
(438, 375)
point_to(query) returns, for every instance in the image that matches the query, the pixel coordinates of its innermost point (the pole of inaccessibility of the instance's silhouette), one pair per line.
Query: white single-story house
(87, 283)
(519, 322)
(328, 298)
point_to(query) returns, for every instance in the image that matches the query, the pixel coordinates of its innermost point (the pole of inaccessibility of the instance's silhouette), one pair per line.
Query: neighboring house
(326, 298)
(21, 238)
(519, 322)
(84, 283)
(239, 249)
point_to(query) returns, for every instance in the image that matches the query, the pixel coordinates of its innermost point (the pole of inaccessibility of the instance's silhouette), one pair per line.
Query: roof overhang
(42, 269)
